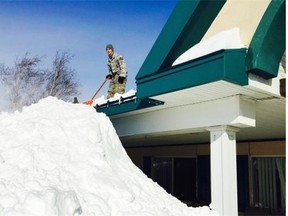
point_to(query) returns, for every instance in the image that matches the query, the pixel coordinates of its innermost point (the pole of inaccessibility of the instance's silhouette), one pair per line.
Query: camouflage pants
(116, 87)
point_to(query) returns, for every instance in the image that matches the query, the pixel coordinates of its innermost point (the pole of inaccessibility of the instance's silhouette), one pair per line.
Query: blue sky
(83, 28)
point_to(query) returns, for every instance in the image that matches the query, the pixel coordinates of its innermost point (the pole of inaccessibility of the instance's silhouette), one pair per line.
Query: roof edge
(228, 65)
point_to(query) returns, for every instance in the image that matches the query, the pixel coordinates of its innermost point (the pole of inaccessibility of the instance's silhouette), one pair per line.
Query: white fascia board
(234, 111)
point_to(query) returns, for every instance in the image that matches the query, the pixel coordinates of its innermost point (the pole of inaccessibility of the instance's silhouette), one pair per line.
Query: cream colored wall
(268, 148)
(244, 14)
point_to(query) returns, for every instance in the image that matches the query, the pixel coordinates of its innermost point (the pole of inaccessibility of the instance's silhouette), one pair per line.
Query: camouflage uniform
(117, 68)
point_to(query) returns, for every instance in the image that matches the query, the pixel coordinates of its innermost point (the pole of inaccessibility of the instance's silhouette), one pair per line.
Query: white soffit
(207, 92)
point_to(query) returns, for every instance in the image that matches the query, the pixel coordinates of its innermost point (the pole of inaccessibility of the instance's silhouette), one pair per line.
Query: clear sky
(83, 28)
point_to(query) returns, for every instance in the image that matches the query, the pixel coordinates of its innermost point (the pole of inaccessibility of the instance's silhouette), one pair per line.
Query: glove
(109, 76)
(121, 79)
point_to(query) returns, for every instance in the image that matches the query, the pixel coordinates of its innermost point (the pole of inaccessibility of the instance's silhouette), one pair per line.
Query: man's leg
(120, 88)
(111, 89)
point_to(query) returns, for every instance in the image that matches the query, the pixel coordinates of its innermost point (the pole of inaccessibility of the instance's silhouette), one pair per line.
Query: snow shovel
(89, 102)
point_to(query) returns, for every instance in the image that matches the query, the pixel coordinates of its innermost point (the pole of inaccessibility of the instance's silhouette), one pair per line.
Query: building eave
(227, 65)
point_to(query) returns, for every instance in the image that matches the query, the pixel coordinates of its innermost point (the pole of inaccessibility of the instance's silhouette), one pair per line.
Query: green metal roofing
(185, 27)
(268, 43)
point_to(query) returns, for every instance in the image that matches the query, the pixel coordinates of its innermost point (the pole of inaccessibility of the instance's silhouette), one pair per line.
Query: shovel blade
(88, 102)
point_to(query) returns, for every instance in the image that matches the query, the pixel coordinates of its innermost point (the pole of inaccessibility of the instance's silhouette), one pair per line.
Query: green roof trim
(183, 30)
(118, 107)
(268, 43)
(228, 65)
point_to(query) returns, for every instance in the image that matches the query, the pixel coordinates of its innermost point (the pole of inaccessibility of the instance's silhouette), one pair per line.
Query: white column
(223, 170)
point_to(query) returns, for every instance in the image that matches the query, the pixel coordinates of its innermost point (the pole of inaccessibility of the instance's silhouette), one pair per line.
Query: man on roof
(117, 72)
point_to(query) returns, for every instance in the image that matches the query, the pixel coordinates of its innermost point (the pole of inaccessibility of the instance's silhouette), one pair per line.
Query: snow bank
(65, 159)
(229, 39)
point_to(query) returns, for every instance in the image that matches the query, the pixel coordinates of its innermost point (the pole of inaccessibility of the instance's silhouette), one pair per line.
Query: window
(177, 175)
(162, 172)
(268, 183)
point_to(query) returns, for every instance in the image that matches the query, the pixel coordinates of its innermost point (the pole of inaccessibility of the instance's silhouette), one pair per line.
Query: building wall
(182, 168)
(264, 148)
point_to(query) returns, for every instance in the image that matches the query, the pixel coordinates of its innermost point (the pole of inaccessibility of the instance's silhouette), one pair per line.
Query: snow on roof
(103, 100)
(64, 159)
(229, 39)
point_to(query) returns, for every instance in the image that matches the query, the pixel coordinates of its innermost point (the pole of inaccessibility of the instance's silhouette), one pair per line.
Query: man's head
(109, 49)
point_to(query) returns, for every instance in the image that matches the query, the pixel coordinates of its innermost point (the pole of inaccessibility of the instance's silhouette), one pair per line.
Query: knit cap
(109, 46)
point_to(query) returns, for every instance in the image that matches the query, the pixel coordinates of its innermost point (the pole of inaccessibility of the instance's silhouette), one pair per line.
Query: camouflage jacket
(116, 65)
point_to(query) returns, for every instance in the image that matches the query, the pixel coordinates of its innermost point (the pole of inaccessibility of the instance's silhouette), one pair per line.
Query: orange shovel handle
(92, 99)
(99, 89)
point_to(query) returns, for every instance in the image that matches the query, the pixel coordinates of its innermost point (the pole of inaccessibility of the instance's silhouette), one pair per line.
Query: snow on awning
(229, 39)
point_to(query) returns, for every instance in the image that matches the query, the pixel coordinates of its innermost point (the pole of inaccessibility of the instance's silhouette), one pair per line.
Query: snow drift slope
(65, 159)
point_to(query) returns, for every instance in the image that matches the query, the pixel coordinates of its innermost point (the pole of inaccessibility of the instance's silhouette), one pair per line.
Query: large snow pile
(58, 158)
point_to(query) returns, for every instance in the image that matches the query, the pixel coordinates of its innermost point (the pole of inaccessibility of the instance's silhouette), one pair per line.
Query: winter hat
(110, 46)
